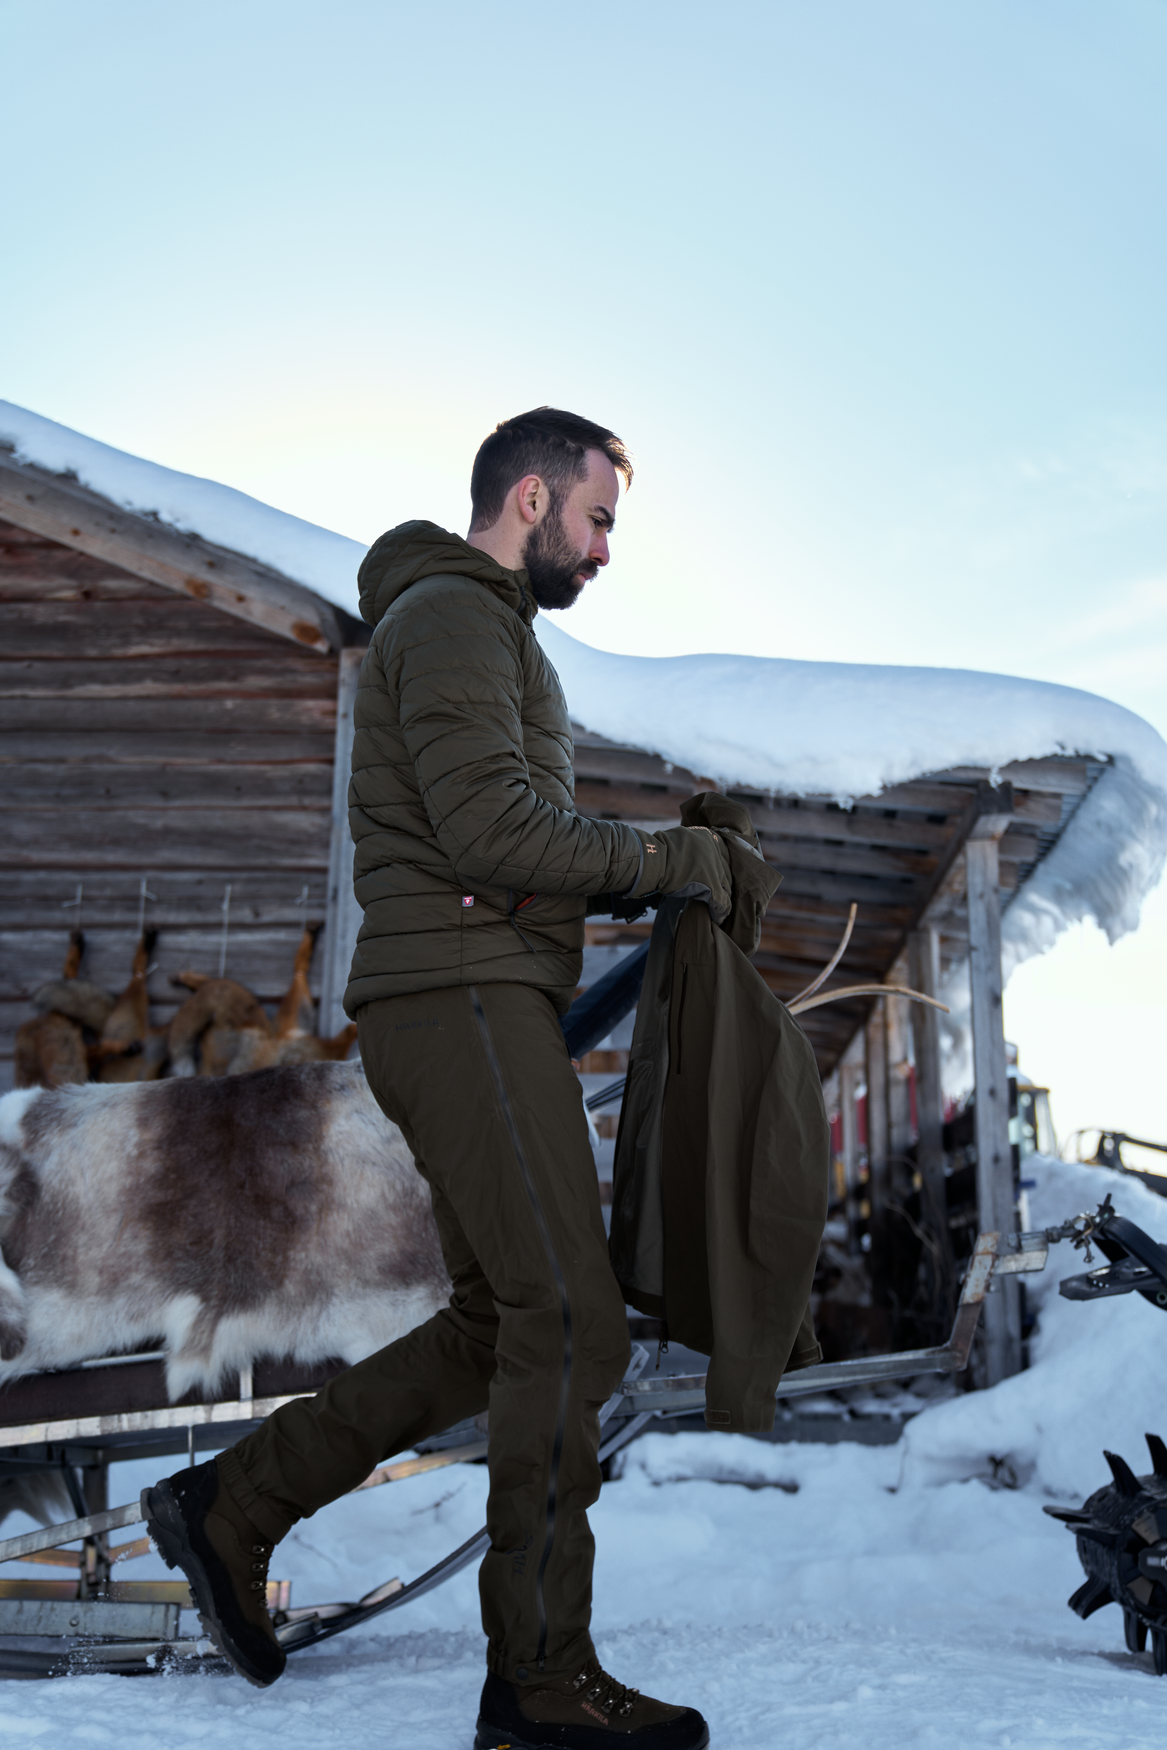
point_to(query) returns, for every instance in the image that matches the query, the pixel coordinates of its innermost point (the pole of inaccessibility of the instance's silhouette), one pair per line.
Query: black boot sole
(168, 1528)
(493, 1738)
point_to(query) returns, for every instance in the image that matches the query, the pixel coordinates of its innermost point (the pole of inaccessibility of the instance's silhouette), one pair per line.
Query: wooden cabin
(175, 734)
(168, 735)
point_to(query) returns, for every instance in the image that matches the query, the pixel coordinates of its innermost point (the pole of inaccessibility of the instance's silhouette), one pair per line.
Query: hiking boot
(198, 1528)
(589, 1711)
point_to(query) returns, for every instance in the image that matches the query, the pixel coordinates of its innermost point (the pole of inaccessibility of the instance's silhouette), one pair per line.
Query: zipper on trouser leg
(565, 1309)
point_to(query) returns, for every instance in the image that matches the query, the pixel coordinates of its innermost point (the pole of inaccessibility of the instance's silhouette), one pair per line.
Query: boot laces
(609, 1696)
(261, 1554)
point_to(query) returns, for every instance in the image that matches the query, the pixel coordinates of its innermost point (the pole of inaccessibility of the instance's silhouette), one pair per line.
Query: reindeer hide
(277, 1213)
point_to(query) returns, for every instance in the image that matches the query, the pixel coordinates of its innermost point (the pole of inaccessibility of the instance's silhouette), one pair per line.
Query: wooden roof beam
(904, 895)
(1063, 775)
(62, 510)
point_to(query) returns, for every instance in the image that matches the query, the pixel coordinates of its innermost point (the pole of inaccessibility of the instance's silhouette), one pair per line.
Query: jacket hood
(415, 550)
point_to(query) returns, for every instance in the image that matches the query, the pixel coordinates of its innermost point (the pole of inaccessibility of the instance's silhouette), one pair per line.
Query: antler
(806, 999)
(830, 965)
(799, 1005)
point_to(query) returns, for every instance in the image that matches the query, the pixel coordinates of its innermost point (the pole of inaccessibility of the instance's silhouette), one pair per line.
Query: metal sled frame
(115, 1631)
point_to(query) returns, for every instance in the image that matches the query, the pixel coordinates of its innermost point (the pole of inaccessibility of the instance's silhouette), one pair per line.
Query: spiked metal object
(1122, 1544)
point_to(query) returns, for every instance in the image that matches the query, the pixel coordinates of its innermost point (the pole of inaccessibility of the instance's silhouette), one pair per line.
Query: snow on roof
(823, 728)
(851, 729)
(324, 561)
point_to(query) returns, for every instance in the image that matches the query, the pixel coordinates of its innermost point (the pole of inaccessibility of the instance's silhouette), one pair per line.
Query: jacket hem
(378, 986)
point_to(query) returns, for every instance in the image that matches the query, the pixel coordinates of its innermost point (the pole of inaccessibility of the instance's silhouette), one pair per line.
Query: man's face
(569, 543)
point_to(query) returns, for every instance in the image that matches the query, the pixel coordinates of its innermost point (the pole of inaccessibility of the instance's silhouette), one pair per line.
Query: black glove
(682, 857)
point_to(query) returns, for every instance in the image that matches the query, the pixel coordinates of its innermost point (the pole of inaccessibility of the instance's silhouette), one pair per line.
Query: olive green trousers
(479, 1080)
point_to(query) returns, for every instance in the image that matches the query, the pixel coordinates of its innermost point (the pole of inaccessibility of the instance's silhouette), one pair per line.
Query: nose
(598, 547)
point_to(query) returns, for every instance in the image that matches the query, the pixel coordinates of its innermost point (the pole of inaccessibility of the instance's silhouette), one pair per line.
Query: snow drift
(1097, 1374)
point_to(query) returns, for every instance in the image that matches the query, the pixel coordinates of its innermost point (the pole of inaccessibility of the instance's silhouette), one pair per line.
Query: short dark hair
(546, 441)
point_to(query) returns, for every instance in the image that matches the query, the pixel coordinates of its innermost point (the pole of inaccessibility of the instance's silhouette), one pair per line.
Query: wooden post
(924, 975)
(836, 1184)
(95, 1571)
(899, 1091)
(878, 1148)
(343, 914)
(849, 1074)
(995, 1196)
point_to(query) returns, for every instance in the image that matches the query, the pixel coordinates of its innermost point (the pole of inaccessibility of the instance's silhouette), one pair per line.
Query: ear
(531, 496)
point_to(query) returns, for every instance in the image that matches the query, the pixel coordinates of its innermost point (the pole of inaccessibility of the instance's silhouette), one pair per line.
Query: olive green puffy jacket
(471, 863)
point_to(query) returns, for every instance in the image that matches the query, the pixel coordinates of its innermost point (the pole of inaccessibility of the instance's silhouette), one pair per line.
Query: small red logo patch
(467, 899)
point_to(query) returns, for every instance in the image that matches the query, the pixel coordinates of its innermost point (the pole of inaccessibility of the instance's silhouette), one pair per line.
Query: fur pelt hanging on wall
(277, 1213)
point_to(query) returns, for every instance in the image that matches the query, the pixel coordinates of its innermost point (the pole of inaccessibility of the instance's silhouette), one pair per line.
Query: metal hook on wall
(143, 895)
(68, 904)
(225, 908)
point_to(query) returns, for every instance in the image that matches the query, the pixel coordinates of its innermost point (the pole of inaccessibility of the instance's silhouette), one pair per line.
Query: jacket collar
(414, 550)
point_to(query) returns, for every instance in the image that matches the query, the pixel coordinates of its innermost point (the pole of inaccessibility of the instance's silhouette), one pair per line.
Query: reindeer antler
(799, 1005)
(830, 965)
(806, 999)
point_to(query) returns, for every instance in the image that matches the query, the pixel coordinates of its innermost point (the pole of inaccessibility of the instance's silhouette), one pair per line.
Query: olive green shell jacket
(720, 1186)
(471, 864)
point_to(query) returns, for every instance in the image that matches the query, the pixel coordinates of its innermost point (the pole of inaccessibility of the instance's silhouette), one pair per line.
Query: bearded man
(475, 872)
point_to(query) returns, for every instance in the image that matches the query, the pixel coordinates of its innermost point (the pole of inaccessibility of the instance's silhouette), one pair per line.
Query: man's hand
(686, 856)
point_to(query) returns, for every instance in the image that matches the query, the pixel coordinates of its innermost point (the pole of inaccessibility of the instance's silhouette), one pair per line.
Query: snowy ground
(808, 1596)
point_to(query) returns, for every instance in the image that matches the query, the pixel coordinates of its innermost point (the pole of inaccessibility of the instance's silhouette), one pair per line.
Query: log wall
(144, 735)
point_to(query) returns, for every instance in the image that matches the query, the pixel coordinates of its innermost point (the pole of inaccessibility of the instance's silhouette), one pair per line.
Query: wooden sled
(76, 1424)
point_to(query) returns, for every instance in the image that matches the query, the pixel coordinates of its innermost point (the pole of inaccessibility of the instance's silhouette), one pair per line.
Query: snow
(824, 728)
(1093, 1379)
(847, 729)
(326, 562)
(813, 1596)
(837, 729)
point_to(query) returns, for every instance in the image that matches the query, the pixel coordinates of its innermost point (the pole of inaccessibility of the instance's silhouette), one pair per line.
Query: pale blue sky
(874, 291)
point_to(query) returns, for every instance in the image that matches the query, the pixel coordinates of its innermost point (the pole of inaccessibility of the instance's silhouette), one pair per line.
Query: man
(474, 872)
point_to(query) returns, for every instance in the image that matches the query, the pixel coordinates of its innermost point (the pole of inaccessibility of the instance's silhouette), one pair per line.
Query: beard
(556, 570)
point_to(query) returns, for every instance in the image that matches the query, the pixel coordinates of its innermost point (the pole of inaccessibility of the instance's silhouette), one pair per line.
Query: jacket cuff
(635, 883)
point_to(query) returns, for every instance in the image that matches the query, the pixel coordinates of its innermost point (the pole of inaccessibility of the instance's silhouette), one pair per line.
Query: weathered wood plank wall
(144, 735)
